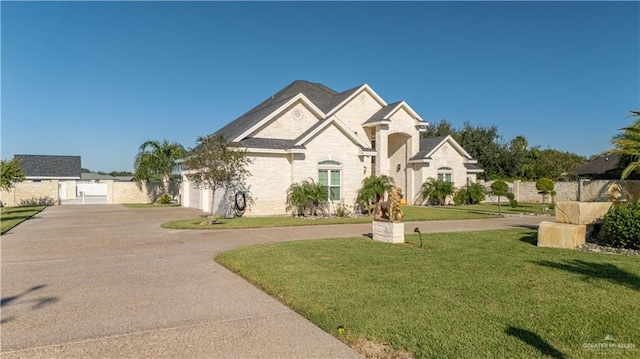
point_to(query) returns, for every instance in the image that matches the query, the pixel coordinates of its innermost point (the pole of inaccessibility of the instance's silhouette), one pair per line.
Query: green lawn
(412, 213)
(12, 216)
(490, 294)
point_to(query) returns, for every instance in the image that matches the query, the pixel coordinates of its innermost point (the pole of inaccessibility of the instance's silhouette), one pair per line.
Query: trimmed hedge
(621, 226)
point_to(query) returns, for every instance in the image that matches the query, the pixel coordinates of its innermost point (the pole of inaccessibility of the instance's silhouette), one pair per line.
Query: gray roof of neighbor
(90, 176)
(51, 166)
(608, 164)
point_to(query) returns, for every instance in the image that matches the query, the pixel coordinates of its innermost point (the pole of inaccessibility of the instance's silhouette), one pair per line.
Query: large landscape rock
(581, 212)
(561, 235)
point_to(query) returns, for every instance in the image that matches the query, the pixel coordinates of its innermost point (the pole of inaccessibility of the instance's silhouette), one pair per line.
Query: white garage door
(195, 200)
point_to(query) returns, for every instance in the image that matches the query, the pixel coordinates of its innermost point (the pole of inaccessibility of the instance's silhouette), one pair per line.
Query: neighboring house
(607, 166)
(308, 130)
(46, 167)
(65, 170)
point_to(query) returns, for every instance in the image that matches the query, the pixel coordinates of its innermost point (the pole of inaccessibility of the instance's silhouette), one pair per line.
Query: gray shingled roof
(607, 166)
(382, 113)
(320, 95)
(270, 143)
(427, 145)
(51, 166)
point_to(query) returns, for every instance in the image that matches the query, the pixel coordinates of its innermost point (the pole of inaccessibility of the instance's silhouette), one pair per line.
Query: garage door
(195, 200)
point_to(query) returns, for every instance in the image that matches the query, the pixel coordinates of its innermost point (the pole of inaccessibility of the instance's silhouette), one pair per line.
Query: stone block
(581, 212)
(561, 235)
(388, 232)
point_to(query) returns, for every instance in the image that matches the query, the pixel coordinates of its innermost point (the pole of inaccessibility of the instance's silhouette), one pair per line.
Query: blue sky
(97, 79)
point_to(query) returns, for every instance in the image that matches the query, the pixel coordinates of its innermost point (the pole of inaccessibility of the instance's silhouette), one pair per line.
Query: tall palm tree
(628, 145)
(157, 159)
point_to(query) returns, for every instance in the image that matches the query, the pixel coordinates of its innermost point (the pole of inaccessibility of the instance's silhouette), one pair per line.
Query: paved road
(100, 281)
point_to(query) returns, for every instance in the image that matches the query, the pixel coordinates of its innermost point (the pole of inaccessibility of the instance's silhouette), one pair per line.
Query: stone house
(48, 179)
(308, 130)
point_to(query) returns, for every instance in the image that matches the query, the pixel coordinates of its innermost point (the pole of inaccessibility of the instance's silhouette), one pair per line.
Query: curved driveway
(105, 281)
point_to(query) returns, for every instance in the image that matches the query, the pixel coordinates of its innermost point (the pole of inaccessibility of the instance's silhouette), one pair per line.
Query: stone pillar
(382, 145)
(388, 232)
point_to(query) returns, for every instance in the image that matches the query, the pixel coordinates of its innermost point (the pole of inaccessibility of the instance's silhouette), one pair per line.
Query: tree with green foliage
(508, 159)
(216, 163)
(628, 146)
(435, 191)
(11, 174)
(307, 196)
(157, 159)
(373, 188)
(545, 186)
(553, 164)
(441, 128)
(501, 189)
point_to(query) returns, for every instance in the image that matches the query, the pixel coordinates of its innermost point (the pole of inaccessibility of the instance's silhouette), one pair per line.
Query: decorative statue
(390, 209)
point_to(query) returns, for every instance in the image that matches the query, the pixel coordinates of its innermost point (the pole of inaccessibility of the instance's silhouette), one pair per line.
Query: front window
(330, 175)
(445, 174)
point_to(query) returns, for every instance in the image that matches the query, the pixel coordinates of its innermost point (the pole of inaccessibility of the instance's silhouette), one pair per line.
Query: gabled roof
(46, 166)
(320, 100)
(429, 145)
(385, 113)
(318, 94)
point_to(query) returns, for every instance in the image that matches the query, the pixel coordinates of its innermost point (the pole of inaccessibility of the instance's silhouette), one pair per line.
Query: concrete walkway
(105, 281)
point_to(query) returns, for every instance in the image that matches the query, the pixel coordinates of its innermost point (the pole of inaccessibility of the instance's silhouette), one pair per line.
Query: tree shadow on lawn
(535, 341)
(531, 238)
(592, 270)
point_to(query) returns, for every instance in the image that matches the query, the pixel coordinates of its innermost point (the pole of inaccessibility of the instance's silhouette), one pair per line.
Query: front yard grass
(411, 213)
(490, 294)
(12, 216)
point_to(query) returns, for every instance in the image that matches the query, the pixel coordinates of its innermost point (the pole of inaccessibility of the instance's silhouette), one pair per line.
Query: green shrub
(513, 203)
(165, 199)
(621, 226)
(461, 197)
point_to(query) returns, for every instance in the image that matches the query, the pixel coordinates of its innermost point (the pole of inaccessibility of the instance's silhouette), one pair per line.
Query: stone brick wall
(30, 192)
(128, 192)
(585, 191)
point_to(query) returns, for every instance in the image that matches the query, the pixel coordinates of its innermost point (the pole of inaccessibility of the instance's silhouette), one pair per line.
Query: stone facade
(51, 192)
(31, 192)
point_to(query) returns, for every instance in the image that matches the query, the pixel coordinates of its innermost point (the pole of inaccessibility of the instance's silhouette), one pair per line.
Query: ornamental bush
(621, 226)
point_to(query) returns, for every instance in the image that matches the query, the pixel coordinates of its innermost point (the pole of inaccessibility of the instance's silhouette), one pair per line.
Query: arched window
(330, 175)
(445, 174)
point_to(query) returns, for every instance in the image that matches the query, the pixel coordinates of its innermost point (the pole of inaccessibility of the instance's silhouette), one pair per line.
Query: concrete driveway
(105, 281)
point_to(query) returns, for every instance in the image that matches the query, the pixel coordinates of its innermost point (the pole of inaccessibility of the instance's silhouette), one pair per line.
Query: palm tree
(437, 190)
(628, 145)
(373, 188)
(157, 159)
